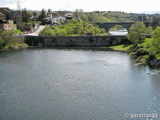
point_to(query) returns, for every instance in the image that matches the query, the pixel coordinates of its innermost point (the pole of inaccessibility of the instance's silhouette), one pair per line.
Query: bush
(138, 31)
(154, 45)
(1, 42)
(7, 40)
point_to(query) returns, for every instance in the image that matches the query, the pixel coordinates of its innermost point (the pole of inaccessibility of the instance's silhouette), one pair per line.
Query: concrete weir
(75, 40)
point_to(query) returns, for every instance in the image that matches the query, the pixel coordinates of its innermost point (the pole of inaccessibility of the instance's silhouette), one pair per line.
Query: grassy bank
(123, 47)
(141, 52)
(16, 46)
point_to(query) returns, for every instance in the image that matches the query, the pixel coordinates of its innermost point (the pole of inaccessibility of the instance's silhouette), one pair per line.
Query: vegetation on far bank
(73, 28)
(9, 41)
(142, 49)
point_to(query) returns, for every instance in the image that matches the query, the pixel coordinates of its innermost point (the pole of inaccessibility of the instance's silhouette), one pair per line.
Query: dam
(75, 40)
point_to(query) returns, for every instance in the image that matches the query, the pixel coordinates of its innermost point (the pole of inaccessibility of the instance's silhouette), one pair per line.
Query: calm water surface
(80, 84)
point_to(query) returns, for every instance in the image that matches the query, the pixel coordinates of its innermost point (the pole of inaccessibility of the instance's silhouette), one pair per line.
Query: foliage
(154, 43)
(73, 28)
(17, 32)
(121, 47)
(138, 31)
(47, 31)
(155, 21)
(8, 40)
(148, 30)
(42, 16)
(125, 17)
(94, 17)
(1, 42)
(78, 14)
(26, 15)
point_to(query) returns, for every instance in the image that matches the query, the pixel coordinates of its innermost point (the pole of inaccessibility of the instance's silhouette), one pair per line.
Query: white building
(56, 19)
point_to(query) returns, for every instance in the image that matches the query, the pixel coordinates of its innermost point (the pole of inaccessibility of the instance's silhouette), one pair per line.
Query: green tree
(1, 42)
(154, 45)
(9, 39)
(42, 15)
(26, 15)
(78, 14)
(148, 30)
(84, 17)
(136, 32)
(47, 31)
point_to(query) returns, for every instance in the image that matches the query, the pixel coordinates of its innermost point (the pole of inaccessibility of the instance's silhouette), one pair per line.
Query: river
(119, 32)
(80, 84)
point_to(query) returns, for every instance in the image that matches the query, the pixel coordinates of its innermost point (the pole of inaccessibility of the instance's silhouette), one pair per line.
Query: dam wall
(75, 40)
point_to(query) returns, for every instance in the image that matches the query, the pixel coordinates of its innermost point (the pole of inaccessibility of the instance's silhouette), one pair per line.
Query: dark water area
(80, 84)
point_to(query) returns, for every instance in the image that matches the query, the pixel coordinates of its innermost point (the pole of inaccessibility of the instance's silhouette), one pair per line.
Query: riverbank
(140, 53)
(14, 47)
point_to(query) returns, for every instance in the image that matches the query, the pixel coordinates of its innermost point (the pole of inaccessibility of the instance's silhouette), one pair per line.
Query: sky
(130, 6)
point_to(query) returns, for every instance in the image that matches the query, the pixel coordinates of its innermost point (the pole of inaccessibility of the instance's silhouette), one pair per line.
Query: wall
(8, 26)
(75, 40)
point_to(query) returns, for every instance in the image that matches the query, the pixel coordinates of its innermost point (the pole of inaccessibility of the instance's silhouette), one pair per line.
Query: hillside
(126, 17)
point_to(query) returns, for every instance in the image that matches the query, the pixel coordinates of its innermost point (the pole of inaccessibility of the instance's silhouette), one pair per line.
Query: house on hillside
(69, 15)
(15, 16)
(54, 17)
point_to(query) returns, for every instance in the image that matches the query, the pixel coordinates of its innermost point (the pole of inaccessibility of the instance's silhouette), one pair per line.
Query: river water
(80, 84)
(119, 32)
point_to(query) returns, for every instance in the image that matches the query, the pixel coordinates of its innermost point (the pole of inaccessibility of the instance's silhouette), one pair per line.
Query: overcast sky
(86, 5)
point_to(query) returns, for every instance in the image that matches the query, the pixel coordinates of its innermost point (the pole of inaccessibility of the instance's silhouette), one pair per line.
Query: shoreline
(140, 58)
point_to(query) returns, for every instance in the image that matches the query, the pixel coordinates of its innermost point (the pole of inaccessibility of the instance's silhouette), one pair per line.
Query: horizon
(87, 6)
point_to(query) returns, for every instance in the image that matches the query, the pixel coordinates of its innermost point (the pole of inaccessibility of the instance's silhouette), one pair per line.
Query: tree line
(73, 28)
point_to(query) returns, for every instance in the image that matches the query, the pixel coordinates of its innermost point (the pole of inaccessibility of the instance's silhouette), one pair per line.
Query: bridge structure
(108, 25)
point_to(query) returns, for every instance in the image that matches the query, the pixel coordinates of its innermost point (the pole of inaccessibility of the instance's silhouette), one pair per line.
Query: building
(54, 17)
(69, 15)
(16, 16)
(54, 20)
(8, 25)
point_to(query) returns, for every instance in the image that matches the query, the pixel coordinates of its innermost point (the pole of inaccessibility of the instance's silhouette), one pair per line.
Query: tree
(154, 45)
(93, 17)
(9, 39)
(137, 32)
(42, 15)
(84, 18)
(1, 42)
(148, 30)
(49, 10)
(78, 14)
(47, 31)
(155, 22)
(26, 15)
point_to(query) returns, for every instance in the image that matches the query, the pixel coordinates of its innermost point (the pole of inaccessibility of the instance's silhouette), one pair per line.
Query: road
(39, 28)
